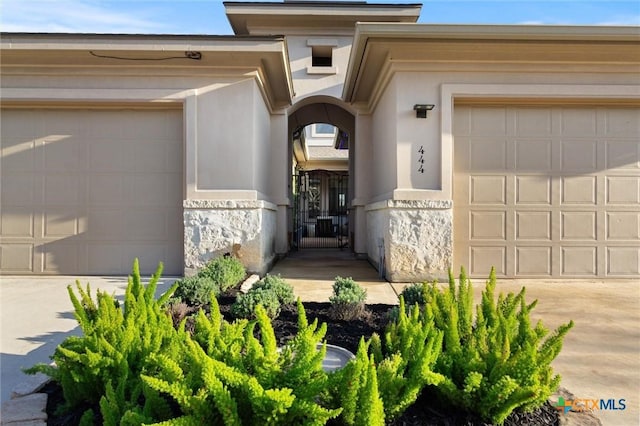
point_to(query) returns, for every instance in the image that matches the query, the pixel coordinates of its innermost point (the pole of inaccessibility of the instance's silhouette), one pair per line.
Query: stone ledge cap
(228, 204)
(411, 205)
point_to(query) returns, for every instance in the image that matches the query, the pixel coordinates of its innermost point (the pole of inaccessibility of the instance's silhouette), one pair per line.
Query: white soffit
(378, 44)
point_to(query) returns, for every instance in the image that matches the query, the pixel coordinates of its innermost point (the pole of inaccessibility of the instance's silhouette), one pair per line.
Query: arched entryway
(321, 132)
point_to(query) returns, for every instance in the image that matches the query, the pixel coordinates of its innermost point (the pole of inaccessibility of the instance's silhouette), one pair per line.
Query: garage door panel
(16, 258)
(533, 190)
(16, 221)
(144, 125)
(533, 260)
(488, 121)
(151, 156)
(533, 122)
(175, 188)
(488, 225)
(61, 222)
(174, 159)
(18, 154)
(60, 257)
(578, 226)
(108, 124)
(483, 258)
(578, 156)
(105, 224)
(108, 156)
(623, 261)
(62, 153)
(87, 204)
(150, 189)
(148, 256)
(488, 155)
(623, 154)
(623, 122)
(488, 190)
(623, 190)
(19, 189)
(579, 261)
(174, 225)
(533, 155)
(578, 121)
(140, 225)
(533, 225)
(566, 201)
(579, 190)
(103, 189)
(107, 258)
(66, 189)
(19, 125)
(623, 226)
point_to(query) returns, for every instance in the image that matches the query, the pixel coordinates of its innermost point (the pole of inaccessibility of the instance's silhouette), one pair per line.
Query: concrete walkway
(312, 273)
(600, 359)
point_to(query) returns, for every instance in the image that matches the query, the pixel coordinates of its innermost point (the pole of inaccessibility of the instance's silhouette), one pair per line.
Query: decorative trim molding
(411, 205)
(229, 204)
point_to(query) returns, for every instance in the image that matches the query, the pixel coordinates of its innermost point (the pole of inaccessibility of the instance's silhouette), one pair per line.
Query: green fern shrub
(226, 271)
(347, 300)
(246, 304)
(225, 375)
(279, 286)
(414, 294)
(405, 357)
(388, 374)
(494, 362)
(104, 365)
(355, 389)
(196, 290)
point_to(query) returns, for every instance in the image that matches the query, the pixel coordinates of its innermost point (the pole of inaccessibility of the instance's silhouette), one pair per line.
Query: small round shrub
(275, 283)
(245, 304)
(196, 291)
(226, 271)
(347, 300)
(414, 294)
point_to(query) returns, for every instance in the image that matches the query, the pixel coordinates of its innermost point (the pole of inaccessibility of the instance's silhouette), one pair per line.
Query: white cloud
(626, 20)
(70, 16)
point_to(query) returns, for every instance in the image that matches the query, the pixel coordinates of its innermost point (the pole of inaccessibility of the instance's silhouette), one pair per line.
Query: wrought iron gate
(320, 215)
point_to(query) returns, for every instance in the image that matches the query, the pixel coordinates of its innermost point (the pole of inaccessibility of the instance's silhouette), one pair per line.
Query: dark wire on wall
(196, 56)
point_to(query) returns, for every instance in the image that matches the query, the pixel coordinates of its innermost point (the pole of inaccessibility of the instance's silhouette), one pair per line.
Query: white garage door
(85, 191)
(547, 191)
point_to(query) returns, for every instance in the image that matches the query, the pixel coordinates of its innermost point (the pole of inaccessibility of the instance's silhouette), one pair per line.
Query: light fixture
(421, 109)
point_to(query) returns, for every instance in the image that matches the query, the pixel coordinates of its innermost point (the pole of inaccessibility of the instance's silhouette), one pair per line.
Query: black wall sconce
(421, 109)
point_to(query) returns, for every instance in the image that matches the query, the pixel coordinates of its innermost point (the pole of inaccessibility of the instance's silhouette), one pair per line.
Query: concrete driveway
(600, 359)
(37, 315)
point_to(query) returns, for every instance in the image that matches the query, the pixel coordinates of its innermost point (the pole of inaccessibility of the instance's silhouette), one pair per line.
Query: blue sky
(207, 16)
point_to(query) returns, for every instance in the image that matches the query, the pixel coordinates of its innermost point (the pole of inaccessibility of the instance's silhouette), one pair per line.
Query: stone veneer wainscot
(212, 227)
(416, 235)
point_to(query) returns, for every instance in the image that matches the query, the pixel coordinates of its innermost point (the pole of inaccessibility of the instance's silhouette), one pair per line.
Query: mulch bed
(425, 411)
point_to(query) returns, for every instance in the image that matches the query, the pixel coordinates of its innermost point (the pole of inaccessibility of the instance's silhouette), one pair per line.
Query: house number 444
(421, 159)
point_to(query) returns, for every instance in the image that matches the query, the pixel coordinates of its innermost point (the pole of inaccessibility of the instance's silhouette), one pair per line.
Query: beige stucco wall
(309, 82)
(384, 137)
(225, 154)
